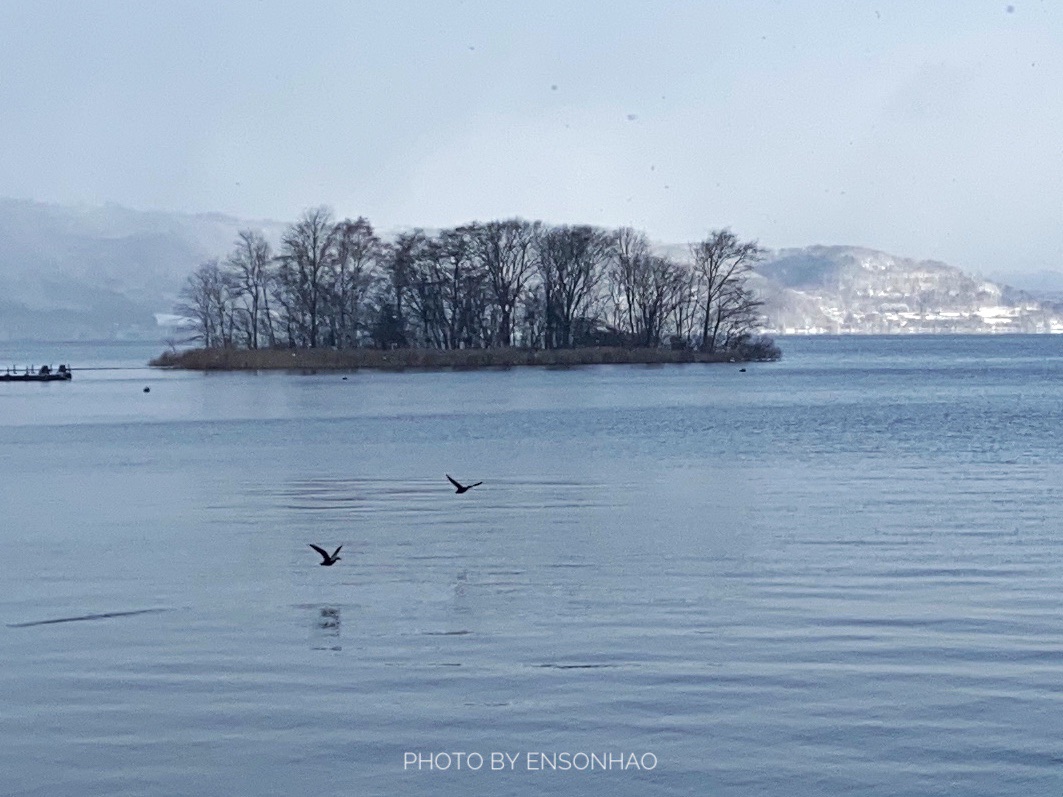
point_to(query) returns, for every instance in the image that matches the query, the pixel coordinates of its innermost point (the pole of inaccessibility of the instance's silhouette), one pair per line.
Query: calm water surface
(838, 573)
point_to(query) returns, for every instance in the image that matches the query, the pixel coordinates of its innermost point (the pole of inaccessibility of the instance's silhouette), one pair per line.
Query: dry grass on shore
(398, 359)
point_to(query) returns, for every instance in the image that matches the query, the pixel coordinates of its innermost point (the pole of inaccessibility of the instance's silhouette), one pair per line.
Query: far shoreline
(430, 359)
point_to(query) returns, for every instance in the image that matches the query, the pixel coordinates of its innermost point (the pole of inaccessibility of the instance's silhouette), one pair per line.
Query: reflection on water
(460, 602)
(326, 629)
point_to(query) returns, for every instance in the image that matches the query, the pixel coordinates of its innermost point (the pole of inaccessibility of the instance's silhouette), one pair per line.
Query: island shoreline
(432, 359)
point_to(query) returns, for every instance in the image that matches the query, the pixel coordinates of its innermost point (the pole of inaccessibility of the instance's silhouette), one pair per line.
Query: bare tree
(504, 250)
(423, 263)
(284, 316)
(450, 268)
(647, 289)
(735, 316)
(720, 262)
(399, 266)
(632, 248)
(356, 250)
(684, 316)
(306, 260)
(664, 288)
(533, 318)
(571, 262)
(207, 300)
(249, 264)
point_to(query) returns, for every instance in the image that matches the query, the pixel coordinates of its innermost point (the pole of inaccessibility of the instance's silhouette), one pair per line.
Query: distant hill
(70, 273)
(83, 273)
(848, 289)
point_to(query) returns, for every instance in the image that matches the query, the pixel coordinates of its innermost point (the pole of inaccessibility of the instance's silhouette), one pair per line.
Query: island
(501, 293)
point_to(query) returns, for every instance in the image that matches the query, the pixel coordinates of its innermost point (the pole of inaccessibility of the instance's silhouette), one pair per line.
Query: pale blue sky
(928, 129)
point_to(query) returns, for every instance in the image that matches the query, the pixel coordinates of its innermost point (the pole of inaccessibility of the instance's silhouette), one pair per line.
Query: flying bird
(329, 559)
(459, 487)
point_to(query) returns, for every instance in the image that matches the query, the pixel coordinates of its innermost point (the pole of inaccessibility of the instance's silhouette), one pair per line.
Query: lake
(841, 572)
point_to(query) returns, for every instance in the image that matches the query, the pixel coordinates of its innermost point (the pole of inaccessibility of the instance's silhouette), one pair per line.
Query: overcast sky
(927, 129)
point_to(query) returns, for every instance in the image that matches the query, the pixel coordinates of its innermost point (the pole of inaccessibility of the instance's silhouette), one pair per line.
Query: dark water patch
(79, 618)
(425, 496)
(556, 666)
(860, 543)
(570, 564)
(324, 606)
(958, 572)
(446, 633)
(943, 624)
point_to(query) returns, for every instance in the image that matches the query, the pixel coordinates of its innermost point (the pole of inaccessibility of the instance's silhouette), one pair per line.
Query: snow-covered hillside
(845, 289)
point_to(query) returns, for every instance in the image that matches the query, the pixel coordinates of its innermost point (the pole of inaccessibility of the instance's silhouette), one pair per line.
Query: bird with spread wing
(459, 487)
(328, 559)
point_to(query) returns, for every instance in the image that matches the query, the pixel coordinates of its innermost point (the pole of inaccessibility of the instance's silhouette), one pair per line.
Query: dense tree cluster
(482, 285)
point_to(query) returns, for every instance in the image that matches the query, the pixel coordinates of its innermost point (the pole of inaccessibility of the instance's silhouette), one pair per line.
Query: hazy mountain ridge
(1046, 285)
(69, 273)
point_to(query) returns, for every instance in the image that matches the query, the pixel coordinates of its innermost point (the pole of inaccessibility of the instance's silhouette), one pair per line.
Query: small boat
(45, 374)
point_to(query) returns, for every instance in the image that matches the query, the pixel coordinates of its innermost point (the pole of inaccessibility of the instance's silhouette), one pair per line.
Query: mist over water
(840, 572)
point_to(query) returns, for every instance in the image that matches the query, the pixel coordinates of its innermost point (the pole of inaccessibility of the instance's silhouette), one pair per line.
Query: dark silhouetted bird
(329, 559)
(459, 487)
